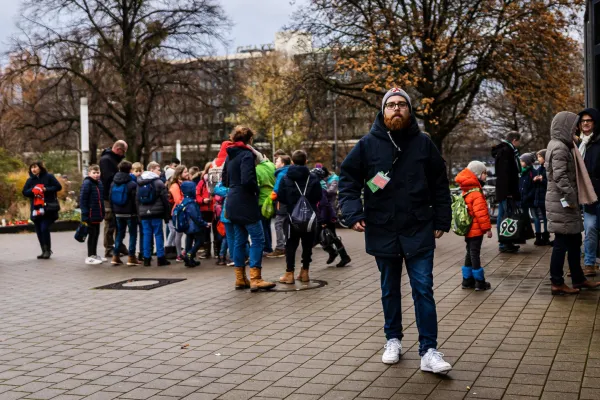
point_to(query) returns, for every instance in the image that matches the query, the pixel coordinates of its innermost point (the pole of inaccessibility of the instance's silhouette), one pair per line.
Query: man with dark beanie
(406, 207)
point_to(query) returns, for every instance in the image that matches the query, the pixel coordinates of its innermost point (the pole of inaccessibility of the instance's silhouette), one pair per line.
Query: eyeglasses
(392, 106)
(587, 121)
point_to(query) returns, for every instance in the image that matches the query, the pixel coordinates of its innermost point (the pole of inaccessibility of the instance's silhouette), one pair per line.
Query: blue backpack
(118, 194)
(147, 193)
(180, 218)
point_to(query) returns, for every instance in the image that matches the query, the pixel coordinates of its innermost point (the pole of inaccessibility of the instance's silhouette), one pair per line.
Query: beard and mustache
(396, 121)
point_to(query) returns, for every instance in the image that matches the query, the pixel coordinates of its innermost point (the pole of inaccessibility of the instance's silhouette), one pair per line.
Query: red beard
(396, 124)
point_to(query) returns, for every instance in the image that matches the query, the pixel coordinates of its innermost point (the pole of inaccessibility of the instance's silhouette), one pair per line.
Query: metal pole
(178, 150)
(273, 141)
(85, 136)
(335, 142)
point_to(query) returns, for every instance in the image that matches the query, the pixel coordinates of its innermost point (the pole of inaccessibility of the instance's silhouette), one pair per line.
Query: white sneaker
(92, 261)
(432, 361)
(391, 355)
(231, 264)
(102, 259)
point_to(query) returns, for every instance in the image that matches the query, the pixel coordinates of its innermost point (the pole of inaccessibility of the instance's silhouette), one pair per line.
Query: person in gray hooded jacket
(562, 205)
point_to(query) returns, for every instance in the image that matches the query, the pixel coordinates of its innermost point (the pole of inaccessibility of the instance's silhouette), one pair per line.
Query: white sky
(254, 21)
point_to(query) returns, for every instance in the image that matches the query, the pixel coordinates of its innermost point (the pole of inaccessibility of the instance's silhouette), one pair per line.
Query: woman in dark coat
(40, 178)
(239, 175)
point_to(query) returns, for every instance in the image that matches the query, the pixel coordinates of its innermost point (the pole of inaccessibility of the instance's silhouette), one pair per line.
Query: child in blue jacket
(196, 225)
(92, 211)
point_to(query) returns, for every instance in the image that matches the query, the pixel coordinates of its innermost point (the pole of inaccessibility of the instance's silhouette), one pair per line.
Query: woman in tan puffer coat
(562, 205)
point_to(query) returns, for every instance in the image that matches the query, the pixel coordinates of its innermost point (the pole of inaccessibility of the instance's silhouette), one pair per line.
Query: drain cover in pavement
(139, 284)
(282, 287)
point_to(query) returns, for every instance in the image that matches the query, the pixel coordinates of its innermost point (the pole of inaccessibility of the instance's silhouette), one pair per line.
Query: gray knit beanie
(528, 158)
(396, 92)
(477, 167)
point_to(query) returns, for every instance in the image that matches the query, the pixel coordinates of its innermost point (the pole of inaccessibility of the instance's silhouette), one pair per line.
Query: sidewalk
(61, 340)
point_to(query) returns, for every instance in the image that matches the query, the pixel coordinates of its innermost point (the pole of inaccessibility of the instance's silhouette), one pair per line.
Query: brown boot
(116, 260)
(563, 289)
(132, 260)
(589, 270)
(586, 285)
(256, 281)
(303, 275)
(241, 282)
(288, 278)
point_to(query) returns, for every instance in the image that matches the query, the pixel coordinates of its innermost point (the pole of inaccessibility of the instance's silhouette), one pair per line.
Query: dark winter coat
(239, 175)
(326, 209)
(91, 201)
(109, 166)
(192, 208)
(592, 156)
(289, 194)
(401, 218)
(527, 188)
(507, 172)
(562, 178)
(129, 209)
(52, 188)
(280, 173)
(540, 188)
(161, 208)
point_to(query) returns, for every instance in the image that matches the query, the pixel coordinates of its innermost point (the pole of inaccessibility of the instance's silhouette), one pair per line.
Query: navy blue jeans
(153, 228)
(420, 274)
(193, 241)
(257, 238)
(124, 223)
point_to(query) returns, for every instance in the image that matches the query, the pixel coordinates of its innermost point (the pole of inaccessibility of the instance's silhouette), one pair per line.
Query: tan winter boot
(589, 270)
(256, 281)
(116, 260)
(132, 260)
(303, 275)
(241, 282)
(287, 278)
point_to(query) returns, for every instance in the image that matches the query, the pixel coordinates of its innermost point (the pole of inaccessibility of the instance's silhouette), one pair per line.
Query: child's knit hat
(528, 159)
(477, 167)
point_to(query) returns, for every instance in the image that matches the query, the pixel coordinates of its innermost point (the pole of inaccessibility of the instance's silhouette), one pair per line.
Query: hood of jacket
(114, 156)
(379, 129)
(188, 188)
(122, 177)
(564, 126)
(146, 177)
(220, 160)
(236, 149)
(467, 180)
(298, 173)
(282, 170)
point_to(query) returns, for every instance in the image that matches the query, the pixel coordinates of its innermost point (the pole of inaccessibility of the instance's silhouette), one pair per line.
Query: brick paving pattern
(61, 340)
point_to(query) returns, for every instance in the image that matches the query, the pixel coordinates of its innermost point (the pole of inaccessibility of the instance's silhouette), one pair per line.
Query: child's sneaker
(230, 264)
(468, 281)
(179, 259)
(102, 259)
(433, 361)
(92, 261)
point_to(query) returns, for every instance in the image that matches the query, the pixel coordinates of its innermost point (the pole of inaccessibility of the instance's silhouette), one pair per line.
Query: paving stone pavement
(61, 340)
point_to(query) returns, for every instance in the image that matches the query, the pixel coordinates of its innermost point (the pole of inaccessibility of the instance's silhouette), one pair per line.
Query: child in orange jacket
(471, 180)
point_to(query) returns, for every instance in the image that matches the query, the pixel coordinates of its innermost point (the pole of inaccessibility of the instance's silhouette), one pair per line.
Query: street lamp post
(335, 141)
(85, 135)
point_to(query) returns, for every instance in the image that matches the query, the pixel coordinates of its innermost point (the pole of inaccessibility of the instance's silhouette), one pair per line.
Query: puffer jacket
(91, 201)
(562, 179)
(176, 195)
(476, 204)
(52, 188)
(129, 208)
(192, 208)
(265, 177)
(161, 208)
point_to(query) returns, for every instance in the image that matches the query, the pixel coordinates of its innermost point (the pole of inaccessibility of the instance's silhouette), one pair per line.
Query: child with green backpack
(473, 202)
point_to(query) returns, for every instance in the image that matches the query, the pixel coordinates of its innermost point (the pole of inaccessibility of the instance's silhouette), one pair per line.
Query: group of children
(142, 201)
(532, 186)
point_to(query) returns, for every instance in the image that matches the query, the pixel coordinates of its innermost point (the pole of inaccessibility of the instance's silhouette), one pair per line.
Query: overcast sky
(254, 21)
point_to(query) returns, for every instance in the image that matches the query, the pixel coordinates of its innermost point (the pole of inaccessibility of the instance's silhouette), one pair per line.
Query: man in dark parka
(406, 207)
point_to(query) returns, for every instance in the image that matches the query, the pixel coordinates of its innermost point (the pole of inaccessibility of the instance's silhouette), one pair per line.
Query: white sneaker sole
(437, 370)
(390, 362)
